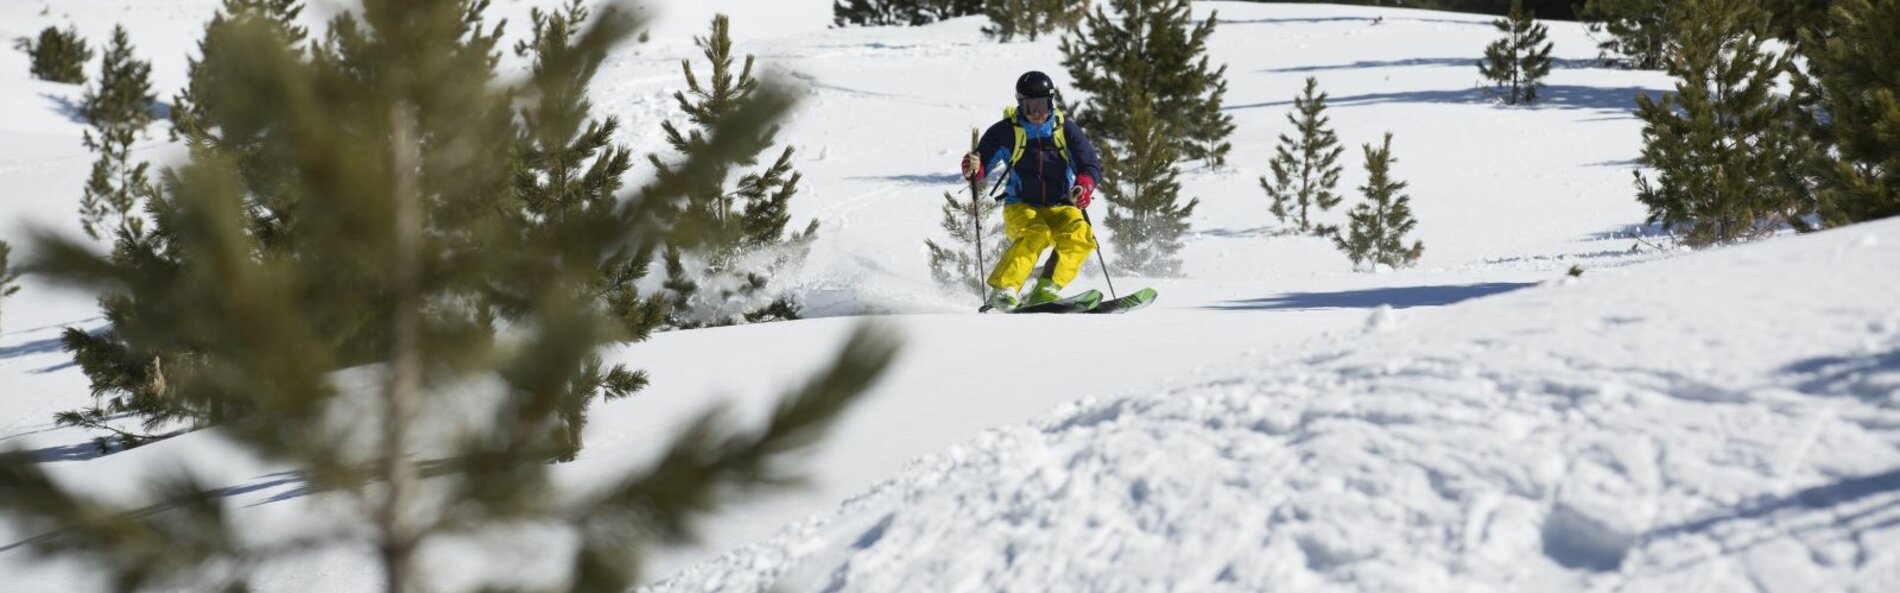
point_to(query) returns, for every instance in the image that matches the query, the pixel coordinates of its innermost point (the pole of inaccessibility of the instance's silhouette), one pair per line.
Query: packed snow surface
(1721, 420)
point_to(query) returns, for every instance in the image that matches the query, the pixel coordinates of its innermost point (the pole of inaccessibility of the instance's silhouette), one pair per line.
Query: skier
(1050, 178)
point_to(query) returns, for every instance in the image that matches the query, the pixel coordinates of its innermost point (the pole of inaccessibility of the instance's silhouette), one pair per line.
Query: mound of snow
(1647, 429)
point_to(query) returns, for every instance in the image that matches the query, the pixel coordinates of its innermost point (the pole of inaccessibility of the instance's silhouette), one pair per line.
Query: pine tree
(570, 170)
(963, 264)
(1518, 63)
(197, 121)
(1851, 110)
(1145, 210)
(1152, 47)
(1031, 18)
(882, 13)
(1723, 145)
(1641, 32)
(124, 92)
(118, 109)
(733, 240)
(1376, 236)
(58, 56)
(1306, 171)
(9, 277)
(343, 339)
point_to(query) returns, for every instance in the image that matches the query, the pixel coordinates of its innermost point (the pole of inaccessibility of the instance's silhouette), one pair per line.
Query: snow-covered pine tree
(1723, 146)
(1376, 235)
(1641, 32)
(117, 108)
(731, 240)
(58, 55)
(1306, 171)
(880, 13)
(1145, 211)
(1031, 18)
(344, 342)
(1151, 47)
(1851, 99)
(963, 263)
(9, 277)
(1517, 64)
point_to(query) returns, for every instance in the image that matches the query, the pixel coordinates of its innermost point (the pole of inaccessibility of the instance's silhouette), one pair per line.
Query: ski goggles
(1034, 106)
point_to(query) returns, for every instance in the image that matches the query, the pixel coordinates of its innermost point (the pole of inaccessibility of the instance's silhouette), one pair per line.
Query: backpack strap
(1022, 136)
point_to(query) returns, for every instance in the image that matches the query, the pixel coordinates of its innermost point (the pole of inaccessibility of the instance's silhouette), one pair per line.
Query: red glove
(972, 167)
(1083, 192)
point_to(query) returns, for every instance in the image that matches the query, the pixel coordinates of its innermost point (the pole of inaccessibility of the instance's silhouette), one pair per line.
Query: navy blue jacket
(1041, 177)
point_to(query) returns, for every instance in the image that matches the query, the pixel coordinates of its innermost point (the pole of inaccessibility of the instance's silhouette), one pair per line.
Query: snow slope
(1639, 429)
(1714, 422)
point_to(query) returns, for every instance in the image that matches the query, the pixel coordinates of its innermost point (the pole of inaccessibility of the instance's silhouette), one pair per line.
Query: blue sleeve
(996, 144)
(1087, 161)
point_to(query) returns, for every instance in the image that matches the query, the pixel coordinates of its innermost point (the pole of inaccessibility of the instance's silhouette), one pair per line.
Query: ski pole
(976, 218)
(1099, 258)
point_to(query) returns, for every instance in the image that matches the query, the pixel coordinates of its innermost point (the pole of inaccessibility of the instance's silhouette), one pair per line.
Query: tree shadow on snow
(74, 111)
(1399, 297)
(1552, 97)
(1345, 19)
(1836, 506)
(1870, 377)
(944, 179)
(1438, 62)
(45, 346)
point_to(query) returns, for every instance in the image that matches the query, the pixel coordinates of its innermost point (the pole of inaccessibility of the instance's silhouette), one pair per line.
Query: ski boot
(1046, 291)
(1000, 299)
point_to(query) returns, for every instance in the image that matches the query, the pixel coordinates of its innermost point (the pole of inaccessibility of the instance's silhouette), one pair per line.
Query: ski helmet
(1034, 85)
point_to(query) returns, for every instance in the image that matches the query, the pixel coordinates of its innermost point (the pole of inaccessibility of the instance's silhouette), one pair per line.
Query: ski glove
(1083, 192)
(972, 167)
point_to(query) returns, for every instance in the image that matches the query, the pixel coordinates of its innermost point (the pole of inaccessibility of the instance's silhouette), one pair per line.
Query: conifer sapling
(1517, 64)
(1376, 235)
(59, 55)
(1306, 171)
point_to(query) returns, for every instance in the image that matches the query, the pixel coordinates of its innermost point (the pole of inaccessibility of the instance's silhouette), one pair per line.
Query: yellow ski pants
(1032, 229)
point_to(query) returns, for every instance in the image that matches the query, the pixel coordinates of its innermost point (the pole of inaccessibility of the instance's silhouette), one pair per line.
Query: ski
(1075, 304)
(1140, 298)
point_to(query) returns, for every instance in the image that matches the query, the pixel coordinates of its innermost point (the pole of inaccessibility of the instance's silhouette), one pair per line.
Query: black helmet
(1034, 85)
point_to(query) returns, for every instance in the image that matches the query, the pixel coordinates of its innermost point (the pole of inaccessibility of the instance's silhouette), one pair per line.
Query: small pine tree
(1376, 235)
(1851, 109)
(1641, 32)
(1145, 210)
(118, 109)
(1031, 18)
(732, 241)
(964, 263)
(346, 339)
(1517, 64)
(1306, 171)
(570, 170)
(58, 56)
(196, 116)
(1151, 47)
(124, 93)
(116, 184)
(1723, 145)
(9, 277)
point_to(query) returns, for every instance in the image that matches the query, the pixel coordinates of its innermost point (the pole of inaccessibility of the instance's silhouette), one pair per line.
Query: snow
(1722, 420)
